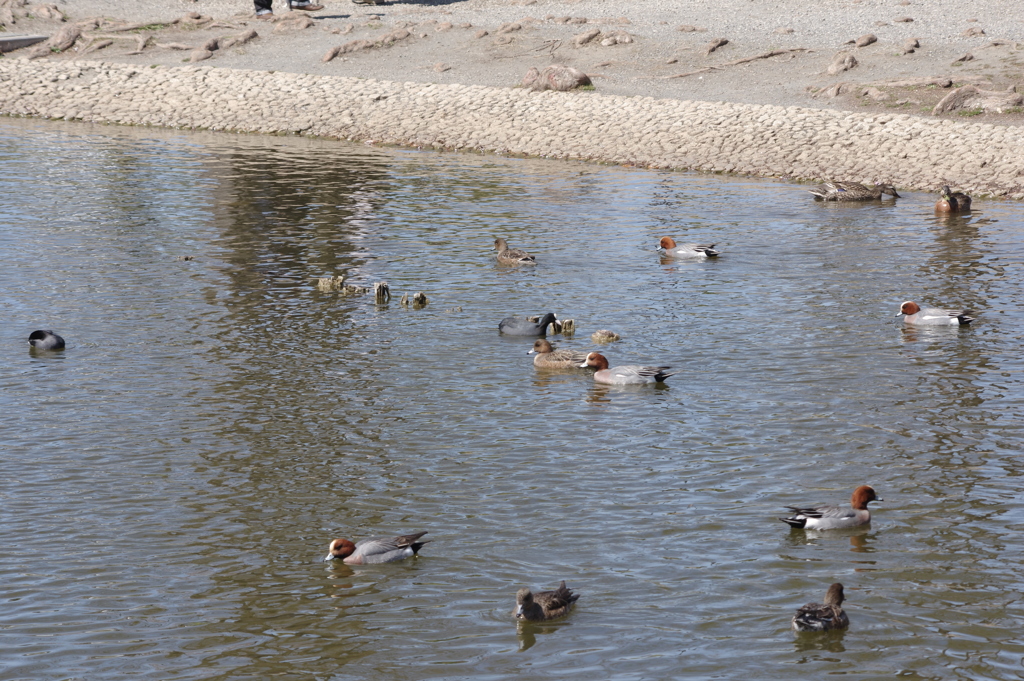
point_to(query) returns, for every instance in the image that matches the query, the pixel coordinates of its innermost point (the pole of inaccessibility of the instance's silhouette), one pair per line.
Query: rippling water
(172, 479)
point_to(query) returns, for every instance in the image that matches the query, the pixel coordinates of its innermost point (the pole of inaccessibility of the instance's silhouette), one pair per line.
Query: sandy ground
(445, 44)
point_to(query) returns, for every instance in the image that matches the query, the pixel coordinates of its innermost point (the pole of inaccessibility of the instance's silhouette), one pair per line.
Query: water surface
(172, 479)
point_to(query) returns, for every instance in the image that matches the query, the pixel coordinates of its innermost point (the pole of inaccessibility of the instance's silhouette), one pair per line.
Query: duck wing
(823, 511)
(556, 602)
(818, 617)
(380, 545)
(566, 355)
(516, 254)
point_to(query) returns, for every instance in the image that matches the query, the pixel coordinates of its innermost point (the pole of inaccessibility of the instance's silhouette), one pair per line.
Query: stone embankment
(909, 151)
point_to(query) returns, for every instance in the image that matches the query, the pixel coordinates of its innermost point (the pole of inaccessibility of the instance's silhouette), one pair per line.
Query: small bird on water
(544, 605)
(827, 616)
(376, 550)
(851, 191)
(46, 340)
(952, 202)
(512, 256)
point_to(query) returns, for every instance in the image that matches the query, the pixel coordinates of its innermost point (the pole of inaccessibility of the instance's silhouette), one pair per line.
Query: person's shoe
(306, 6)
(265, 14)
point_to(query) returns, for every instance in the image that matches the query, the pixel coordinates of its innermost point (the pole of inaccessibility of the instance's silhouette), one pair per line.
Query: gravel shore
(443, 75)
(909, 151)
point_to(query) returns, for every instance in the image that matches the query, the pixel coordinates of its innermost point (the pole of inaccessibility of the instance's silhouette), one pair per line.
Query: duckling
(512, 256)
(952, 202)
(545, 605)
(823, 617)
(851, 191)
(46, 340)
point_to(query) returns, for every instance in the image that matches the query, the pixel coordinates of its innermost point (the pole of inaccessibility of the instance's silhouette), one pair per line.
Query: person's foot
(307, 6)
(265, 14)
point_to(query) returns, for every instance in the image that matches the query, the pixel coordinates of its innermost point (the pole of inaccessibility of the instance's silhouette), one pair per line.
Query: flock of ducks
(548, 605)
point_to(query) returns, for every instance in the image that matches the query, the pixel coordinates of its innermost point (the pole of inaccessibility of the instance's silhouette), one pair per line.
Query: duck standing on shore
(827, 616)
(834, 517)
(544, 605)
(851, 191)
(952, 202)
(512, 256)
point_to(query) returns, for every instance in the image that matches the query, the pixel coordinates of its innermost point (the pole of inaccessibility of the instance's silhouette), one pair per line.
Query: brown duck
(952, 202)
(827, 616)
(512, 256)
(852, 191)
(545, 605)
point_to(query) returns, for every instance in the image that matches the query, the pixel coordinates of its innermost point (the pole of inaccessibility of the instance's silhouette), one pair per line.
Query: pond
(172, 479)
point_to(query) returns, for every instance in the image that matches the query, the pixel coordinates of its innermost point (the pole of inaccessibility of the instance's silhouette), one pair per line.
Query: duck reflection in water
(527, 632)
(860, 538)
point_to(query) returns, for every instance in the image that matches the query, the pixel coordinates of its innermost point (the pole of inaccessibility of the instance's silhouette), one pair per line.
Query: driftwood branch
(766, 55)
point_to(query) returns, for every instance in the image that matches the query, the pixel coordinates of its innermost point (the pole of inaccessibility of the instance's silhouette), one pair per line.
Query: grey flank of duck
(45, 340)
(834, 517)
(667, 246)
(544, 605)
(852, 191)
(827, 616)
(549, 357)
(512, 256)
(521, 326)
(376, 550)
(933, 316)
(952, 202)
(629, 374)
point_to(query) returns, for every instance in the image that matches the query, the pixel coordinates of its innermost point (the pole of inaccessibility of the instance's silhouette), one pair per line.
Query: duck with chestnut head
(828, 517)
(376, 549)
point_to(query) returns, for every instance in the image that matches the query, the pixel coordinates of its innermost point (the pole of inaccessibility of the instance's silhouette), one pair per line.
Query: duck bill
(584, 365)
(530, 352)
(329, 558)
(519, 612)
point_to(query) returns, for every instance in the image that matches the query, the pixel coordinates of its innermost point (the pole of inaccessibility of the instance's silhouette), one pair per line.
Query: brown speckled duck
(512, 256)
(550, 358)
(852, 191)
(952, 202)
(827, 616)
(545, 605)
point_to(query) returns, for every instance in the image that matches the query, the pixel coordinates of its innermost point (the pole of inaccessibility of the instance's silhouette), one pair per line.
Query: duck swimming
(827, 616)
(834, 517)
(629, 374)
(550, 358)
(952, 202)
(45, 340)
(667, 246)
(933, 316)
(544, 605)
(520, 326)
(512, 256)
(851, 191)
(376, 550)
